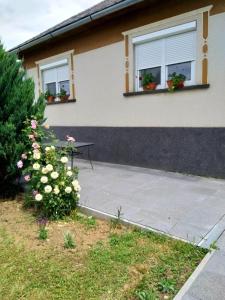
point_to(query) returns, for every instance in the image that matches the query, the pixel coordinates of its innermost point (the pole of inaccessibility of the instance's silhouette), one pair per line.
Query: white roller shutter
(149, 55)
(180, 48)
(49, 75)
(62, 73)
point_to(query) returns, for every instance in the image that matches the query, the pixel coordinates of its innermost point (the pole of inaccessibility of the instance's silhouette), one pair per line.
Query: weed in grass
(43, 233)
(116, 223)
(69, 242)
(166, 286)
(145, 295)
(88, 221)
(91, 221)
(213, 246)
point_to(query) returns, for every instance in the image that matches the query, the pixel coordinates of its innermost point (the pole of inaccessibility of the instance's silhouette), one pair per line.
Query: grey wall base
(199, 151)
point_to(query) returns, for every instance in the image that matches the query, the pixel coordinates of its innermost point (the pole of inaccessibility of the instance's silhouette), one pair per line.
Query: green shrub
(16, 105)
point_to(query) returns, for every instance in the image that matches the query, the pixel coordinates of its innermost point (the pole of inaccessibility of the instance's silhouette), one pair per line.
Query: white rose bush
(51, 185)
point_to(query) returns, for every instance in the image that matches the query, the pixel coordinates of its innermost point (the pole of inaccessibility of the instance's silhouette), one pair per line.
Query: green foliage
(48, 94)
(69, 242)
(177, 80)
(166, 286)
(88, 221)
(43, 233)
(62, 93)
(16, 105)
(145, 295)
(148, 78)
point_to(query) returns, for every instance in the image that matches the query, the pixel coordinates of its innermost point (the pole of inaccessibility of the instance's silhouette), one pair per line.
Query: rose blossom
(33, 124)
(54, 175)
(36, 166)
(48, 189)
(70, 139)
(44, 179)
(31, 137)
(68, 189)
(69, 173)
(64, 159)
(35, 145)
(49, 167)
(37, 154)
(38, 197)
(27, 178)
(24, 156)
(19, 164)
(56, 190)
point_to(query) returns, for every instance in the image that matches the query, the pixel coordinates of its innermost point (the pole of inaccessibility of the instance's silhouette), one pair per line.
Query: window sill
(161, 91)
(62, 102)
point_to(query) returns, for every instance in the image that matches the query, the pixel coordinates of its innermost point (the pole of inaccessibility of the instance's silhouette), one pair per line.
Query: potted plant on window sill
(175, 81)
(149, 82)
(63, 96)
(49, 97)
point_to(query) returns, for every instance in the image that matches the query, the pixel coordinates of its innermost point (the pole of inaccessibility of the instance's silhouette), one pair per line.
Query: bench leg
(89, 157)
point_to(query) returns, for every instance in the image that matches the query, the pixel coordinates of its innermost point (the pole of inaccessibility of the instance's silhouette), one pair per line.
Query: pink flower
(33, 124)
(70, 139)
(35, 145)
(19, 164)
(24, 156)
(27, 178)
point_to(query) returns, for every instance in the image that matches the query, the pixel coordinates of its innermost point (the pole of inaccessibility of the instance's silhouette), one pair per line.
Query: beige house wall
(99, 84)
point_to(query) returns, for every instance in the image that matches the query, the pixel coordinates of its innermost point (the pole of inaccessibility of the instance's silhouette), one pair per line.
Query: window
(164, 52)
(55, 77)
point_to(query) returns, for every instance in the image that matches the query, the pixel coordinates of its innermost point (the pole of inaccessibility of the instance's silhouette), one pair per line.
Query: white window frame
(162, 35)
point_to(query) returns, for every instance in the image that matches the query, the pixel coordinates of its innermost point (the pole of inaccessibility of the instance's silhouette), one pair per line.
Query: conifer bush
(16, 106)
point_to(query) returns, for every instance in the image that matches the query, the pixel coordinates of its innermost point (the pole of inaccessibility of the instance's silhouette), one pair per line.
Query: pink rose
(33, 124)
(27, 178)
(35, 145)
(70, 139)
(24, 156)
(19, 164)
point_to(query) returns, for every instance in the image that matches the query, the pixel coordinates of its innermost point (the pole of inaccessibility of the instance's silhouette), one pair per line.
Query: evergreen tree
(16, 105)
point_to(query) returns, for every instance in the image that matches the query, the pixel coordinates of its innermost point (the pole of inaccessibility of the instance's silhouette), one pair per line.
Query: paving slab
(185, 206)
(209, 283)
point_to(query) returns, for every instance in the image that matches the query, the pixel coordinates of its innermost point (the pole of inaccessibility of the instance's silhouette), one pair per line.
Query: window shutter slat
(149, 55)
(181, 48)
(49, 75)
(63, 73)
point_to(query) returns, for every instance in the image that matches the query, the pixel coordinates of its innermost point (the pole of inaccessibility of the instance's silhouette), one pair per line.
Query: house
(99, 59)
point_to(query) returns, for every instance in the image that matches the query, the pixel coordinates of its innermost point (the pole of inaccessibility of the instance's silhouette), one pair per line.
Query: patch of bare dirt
(22, 226)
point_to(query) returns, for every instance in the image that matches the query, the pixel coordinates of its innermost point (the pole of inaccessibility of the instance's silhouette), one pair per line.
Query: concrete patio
(188, 207)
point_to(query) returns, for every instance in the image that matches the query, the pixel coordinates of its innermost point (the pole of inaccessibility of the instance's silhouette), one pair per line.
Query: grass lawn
(106, 263)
